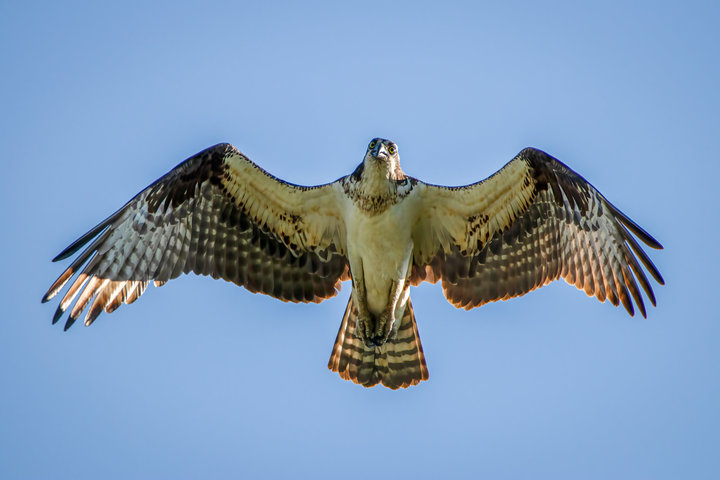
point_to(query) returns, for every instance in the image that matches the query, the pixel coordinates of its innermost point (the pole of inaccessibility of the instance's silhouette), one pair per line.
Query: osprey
(219, 214)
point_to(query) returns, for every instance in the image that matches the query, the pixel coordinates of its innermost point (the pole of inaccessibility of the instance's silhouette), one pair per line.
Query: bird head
(383, 154)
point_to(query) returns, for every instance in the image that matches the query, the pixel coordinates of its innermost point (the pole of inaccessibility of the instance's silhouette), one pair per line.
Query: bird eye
(391, 149)
(372, 144)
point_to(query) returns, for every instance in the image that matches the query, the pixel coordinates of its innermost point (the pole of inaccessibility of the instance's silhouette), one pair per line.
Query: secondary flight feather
(219, 214)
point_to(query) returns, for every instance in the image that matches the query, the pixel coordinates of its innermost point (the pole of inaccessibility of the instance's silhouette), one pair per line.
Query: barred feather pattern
(219, 214)
(398, 363)
(549, 243)
(533, 222)
(188, 221)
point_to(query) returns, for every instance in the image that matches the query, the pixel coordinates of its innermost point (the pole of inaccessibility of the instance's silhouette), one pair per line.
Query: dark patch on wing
(187, 222)
(549, 172)
(188, 176)
(567, 230)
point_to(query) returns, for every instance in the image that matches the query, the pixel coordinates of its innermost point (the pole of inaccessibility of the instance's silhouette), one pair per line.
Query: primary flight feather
(219, 214)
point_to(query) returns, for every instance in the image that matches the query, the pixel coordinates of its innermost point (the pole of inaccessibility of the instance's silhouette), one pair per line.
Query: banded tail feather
(398, 363)
(220, 214)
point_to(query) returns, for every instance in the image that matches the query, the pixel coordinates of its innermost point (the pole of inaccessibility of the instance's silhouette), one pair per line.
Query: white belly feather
(380, 246)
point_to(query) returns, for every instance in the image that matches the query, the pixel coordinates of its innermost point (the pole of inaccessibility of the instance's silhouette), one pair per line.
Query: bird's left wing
(530, 223)
(219, 214)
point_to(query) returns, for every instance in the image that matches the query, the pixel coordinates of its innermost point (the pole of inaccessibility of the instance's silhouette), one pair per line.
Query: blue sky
(201, 379)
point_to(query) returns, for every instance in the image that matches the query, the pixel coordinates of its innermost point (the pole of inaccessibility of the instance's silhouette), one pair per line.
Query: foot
(375, 332)
(383, 327)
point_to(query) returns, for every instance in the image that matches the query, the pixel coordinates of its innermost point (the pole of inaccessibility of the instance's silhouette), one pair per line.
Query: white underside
(380, 247)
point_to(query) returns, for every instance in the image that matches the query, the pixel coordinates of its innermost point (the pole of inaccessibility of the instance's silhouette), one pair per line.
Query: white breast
(380, 246)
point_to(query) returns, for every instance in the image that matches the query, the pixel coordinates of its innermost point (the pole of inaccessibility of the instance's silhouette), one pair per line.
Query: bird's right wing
(218, 214)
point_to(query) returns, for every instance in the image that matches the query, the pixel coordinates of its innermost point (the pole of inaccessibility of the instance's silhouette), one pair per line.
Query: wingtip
(61, 256)
(69, 323)
(58, 313)
(641, 307)
(640, 232)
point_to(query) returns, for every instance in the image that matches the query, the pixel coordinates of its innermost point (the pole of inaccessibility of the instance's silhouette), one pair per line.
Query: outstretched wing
(530, 223)
(218, 214)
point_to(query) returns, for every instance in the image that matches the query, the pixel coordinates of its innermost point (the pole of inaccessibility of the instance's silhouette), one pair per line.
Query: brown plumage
(219, 214)
(550, 223)
(398, 363)
(195, 219)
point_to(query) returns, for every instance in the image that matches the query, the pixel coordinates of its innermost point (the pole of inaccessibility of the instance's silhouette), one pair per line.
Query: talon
(383, 328)
(365, 331)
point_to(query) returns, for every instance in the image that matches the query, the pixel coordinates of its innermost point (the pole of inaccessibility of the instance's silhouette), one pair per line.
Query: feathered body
(220, 214)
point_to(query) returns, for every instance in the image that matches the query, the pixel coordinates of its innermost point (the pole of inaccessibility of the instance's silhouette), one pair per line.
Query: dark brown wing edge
(467, 282)
(190, 198)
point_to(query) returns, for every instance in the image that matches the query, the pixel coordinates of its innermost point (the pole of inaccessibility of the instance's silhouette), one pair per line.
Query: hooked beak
(380, 152)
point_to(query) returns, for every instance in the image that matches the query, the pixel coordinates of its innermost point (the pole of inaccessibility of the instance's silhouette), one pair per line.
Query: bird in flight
(219, 214)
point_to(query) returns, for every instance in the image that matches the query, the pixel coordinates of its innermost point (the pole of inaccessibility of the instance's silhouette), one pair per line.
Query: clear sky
(201, 379)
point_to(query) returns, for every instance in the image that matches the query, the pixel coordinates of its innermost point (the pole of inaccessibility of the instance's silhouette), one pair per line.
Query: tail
(399, 362)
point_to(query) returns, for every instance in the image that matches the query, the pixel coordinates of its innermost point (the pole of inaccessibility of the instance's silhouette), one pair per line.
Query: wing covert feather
(217, 214)
(532, 222)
